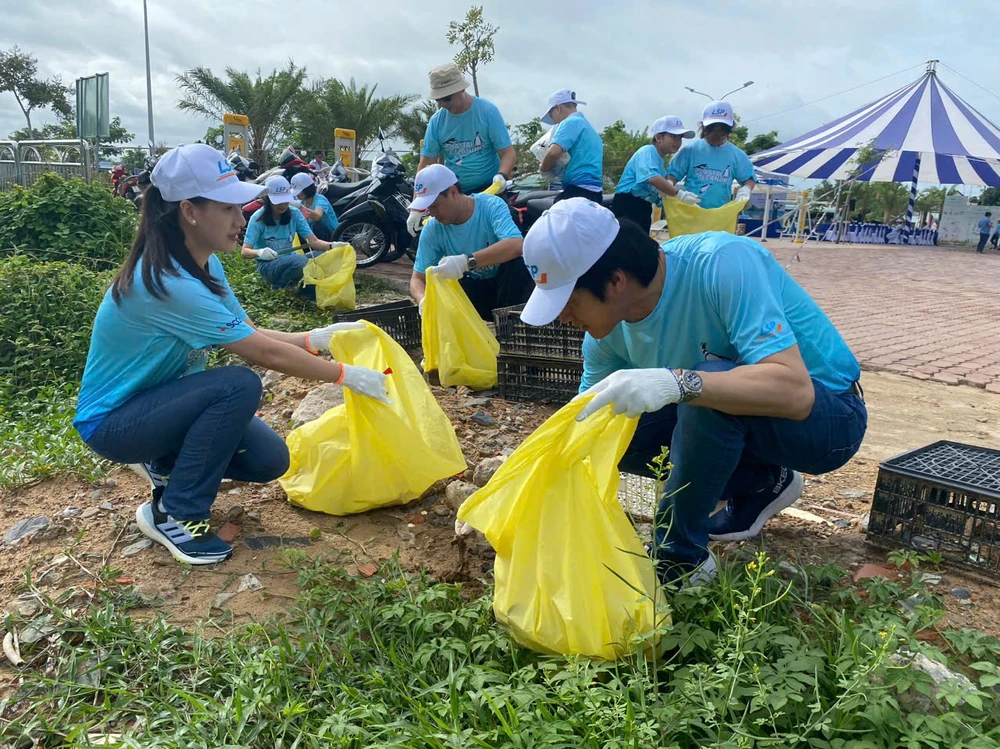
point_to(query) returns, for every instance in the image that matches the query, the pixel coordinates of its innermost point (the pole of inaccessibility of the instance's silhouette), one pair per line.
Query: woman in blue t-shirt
(315, 207)
(146, 398)
(270, 239)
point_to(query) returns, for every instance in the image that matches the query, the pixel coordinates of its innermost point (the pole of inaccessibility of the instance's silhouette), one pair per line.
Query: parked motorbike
(118, 173)
(376, 224)
(245, 169)
(528, 206)
(132, 187)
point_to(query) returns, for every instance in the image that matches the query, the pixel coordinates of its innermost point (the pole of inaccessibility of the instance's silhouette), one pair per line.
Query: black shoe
(190, 541)
(744, 517)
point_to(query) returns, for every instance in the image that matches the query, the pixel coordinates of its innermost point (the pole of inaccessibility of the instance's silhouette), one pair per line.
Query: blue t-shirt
(278, 237)
(578, 138)
(984, 225)
(724, 297)
(329, 220)
(709, 171)
(469, 142)
(644, 164)
(145, 341)
(490, 223)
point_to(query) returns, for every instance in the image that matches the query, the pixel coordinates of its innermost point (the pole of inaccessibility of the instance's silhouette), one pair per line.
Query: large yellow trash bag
(332, 273)
(691, 219)
(364, 453)
(569, 566)
(456, 341)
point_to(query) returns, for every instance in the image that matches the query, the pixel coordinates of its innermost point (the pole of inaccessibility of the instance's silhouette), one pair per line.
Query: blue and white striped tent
(923, 132)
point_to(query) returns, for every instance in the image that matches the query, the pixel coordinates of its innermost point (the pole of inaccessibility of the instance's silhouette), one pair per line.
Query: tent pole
(913, 200)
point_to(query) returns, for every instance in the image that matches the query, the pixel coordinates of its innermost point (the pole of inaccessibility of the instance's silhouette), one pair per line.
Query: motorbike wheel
(370, 240)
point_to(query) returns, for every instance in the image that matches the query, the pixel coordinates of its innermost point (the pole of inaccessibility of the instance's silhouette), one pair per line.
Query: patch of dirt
(904, 414)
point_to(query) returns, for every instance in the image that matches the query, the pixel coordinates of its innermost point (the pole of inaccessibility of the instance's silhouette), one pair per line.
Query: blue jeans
(286, 270)
(717, 456)
(197, 429)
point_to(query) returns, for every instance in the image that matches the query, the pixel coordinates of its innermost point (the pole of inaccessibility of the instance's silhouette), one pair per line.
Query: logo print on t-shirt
(706, 174)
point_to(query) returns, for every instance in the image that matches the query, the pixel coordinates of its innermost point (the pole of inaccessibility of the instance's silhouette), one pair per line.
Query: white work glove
(452, 266)
(366, 382)
(463, 529)
(499, 181)
(318, 339)
(633, 392)
(266, 254)
(414, 221)
(743, 194)
(685, 196)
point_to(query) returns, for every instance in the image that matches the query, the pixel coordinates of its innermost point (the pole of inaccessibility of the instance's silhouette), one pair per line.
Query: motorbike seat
(524, 197)
(538, 206)
(337, 190)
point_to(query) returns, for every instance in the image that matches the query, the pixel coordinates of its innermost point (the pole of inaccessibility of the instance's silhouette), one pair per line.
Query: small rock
(249, 582)
(418, 520)
(483, 419)
(255, 516)
(235, 491)
(853, 493)
(134, 528)
(476, 403)
(229, 532)
(967, 604)
(442, 510)
(940, 673)
(486, 469)
(98, 494)
(71, 512)
(961, 594)
(28, 605)
(457, 492)
(234, 514)
(929, 579)
(270, 379)
(110, 483)
(789, 571)
(90, 512)
(406, 534)
(317, 402)
(31, 634)
(132, 549)
(842, 523)
(107, 506)
(367, 570)
(221, 600)
(26, 528)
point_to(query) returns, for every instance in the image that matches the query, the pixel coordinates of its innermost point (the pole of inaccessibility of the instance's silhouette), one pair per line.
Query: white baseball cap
(561, 96)
(199, 171)
(718, 111)
(301, 181)
(279, 190)
(563, 244)
(430, 182)
(672, 124)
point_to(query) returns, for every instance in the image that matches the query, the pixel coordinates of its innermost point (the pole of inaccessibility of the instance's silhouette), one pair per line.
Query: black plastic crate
(401, 320)
(524, 378)
(553, 341)
(944, 497)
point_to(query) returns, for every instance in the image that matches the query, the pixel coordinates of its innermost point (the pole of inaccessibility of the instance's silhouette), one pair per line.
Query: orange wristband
(340, 380)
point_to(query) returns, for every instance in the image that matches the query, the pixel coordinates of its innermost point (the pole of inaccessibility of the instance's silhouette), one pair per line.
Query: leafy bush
(46, 313)
(56, 218)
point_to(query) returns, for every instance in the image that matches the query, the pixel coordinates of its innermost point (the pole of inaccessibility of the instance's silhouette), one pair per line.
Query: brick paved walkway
(926, 312)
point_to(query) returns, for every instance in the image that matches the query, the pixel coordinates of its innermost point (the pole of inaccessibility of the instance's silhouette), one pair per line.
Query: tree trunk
(27, 116)
(475, 80)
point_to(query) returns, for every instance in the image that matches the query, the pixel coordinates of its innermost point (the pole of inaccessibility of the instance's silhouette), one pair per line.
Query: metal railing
(23, 162)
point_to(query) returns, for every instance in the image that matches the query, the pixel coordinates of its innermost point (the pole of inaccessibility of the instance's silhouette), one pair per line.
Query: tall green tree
(474, 37)
(525, 135)
(265, 100)
(19, 76)
(330, 103)
(761, 142)
(412, 123)
(619, 145)
(891, 198)
(990, 196)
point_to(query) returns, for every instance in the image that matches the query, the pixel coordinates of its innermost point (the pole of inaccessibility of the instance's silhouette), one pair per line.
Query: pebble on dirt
(317, 402)
(483, 419)
(26, 529)
(98, 494)
(457, 492)
(132, 549)
(485, 470)
(961, 594)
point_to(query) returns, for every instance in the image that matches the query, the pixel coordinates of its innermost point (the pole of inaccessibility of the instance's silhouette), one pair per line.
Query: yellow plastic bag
(692, 219)
(569, 566)
(456, 341)
(365, 454)
(332, 273)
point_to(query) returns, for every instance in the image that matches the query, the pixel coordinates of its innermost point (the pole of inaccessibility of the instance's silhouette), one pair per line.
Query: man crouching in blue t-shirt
(732, 363)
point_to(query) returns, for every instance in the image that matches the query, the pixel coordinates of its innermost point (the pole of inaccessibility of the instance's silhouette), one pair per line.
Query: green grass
(394, 661)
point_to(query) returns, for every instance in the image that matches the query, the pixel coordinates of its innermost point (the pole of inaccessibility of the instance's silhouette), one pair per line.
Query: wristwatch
(472, 262)
(690, 382)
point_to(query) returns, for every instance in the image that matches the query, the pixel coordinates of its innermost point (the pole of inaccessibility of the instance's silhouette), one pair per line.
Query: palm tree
(413, 122)
(265, 101)
(330, 103)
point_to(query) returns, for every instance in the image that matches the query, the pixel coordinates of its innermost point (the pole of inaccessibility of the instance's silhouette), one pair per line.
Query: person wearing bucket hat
(467, 134)
(574, 135)
(314, 206)
(470, 238)
(270, 238)
(722, 355)
(147, 399)
(644, 180)
(709, 165)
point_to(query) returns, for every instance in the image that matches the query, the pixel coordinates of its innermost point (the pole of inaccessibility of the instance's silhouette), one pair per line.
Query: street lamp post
(149, 83)
(712, 98)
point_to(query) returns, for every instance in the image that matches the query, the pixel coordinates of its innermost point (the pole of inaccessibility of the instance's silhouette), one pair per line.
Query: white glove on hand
(562, 161)
(266, 254)
(743, 194)
(414, 221)
(688, 197)
(633, 392)
(452, 266)
(463, 529)
(318, 339)
(365, 382)
(499, 181)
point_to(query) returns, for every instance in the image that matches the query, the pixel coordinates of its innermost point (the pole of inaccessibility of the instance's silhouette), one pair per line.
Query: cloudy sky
(630, 63)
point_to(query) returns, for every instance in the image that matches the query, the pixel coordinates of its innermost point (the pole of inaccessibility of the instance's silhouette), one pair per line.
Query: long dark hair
(308, 192)
(268, 216)
(160, 244)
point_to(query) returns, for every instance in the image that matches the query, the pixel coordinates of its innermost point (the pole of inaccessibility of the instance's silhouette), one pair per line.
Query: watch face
(692, 381)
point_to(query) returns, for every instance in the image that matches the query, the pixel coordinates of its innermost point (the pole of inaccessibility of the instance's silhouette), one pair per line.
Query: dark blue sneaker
(189, 541)
(744, 516)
